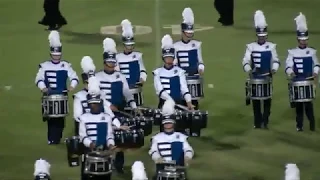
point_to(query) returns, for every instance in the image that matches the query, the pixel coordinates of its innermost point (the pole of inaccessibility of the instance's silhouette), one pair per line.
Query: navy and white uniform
(188, 56)
(95, 128)
(80, 106)
(115, 89)
(54, 76)
(261, 59)
(303, 62)
(132, 67)
(171, 83)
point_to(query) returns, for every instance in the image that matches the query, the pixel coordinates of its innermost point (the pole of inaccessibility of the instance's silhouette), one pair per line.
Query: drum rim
(258, 81)
(301, 83)
(169, 174)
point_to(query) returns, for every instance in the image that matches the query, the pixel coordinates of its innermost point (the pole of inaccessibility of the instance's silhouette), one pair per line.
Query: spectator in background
(52, 18)
(225, 9)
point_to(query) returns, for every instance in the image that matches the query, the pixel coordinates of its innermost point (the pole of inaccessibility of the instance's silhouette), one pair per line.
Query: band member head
(41, 170)
(55, 46)
(88, 69)
(302, 30)
(167, 111)
(261, 27)
(109, 55)
(187, 26)
(127, 36)
(168, 52)
(94, 100)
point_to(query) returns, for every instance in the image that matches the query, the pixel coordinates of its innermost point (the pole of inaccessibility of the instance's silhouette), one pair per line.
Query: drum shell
(157, 117)
(181, 123)
(195, 86)
(74, 148)
(137, 95)
(261, 89)
(302, 91)
(55, 106)
(129, 139)
(145, 124)
(97, 165)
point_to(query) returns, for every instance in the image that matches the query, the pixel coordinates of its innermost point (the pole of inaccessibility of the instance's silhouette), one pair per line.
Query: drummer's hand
(70, 89)
(186, 161)
(92, 145)
(315, 75)
(200, 71)
(273, 71)
(125, 128)
(44, 90)
(137, 111)
(159, 161)
(112, 147)
(190, 106)
(292, 75)
(141, 81)
(113, 108)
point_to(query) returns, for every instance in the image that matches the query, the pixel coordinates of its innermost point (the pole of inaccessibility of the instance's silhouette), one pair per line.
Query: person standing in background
(53, 17)
(225, 8)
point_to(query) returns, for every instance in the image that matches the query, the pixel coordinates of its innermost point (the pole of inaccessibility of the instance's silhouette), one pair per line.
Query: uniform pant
(119, 157)
(55, 129)
(225, 8)
(91, 177)
(308, 108)
(53, 17)
(76, 128)
(261, 117)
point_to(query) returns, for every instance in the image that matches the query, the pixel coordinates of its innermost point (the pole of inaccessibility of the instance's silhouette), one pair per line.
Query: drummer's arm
(77, 108)
(188, 150)
(127, 94)
(153, 152)
(159, 88)
(184, 88)
(316, 67)
(143, 72)
(289, 64)
(110, 136)
(83, 134)
(74, 79)
(275, 58)
(246, 62)
(201, 65)
(39, 81)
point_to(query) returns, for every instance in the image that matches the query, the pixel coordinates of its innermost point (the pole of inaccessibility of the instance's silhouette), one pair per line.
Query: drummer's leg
(256, 104)
(83, 176)
(299, 116)
(310, 114)
(119, 161)
(266, 112)
(76, 128)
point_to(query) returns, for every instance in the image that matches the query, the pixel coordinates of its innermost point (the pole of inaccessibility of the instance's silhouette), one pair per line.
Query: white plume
(41, 166)
(54, 39)
(127, 29)
(292, 172)
(87, 64)
(168, 107)
(260, 20)
(167, 42)
(109, 45)
(188, 16)
(138, 171)
(301, 22)
(93, 86)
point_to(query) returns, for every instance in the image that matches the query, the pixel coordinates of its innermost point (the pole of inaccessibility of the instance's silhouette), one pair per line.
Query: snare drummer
(130, 62)
(302, 64)
(261, 62)
(169, 80)
(170, 145)
(52, 79)
(188, 50)
(95, 128)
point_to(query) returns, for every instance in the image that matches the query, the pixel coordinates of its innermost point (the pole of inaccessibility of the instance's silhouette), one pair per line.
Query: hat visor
(168, 121)
(188, 31)
(303, 38)
(94, 101)
(129, 43)
(262, 34)
(168, 55)
(56, 53)
(110, 61)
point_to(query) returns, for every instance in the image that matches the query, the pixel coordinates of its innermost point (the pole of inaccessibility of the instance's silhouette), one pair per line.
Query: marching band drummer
(170, 80)
(130, 62)
(95, 128)
(302, 64)
(51, 79)
(80, 101)
(188, 53)
(115, 89)
(170, 145)
(261, 62)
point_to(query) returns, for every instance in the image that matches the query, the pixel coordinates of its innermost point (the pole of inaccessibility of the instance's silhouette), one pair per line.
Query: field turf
(229, 148)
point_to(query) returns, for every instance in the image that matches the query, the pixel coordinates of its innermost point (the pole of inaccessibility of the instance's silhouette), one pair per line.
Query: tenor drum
(261, 89)
(195, 86)
(74, 150)
(145, 124)
(302, 91)
(129, 139)
(55, 106)
(181, 124)
(137, 94)
(98, 163)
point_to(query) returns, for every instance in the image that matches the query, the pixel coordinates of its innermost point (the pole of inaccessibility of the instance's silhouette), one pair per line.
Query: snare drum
(55, 106)
(98, 163)
(169, 172)
(74, 150)
(260, 89)
(302, 91)
(137, 94)
(129, 139)
(195, 86)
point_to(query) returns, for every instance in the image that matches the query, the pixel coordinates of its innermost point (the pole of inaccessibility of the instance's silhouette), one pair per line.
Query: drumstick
(126, 114)
(265, 74)
(311, 77)
(182, 107)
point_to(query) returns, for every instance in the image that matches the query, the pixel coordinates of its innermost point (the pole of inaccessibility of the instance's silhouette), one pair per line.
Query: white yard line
(158, 32)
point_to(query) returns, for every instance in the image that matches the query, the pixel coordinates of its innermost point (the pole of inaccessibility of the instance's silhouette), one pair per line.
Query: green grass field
(229, 148)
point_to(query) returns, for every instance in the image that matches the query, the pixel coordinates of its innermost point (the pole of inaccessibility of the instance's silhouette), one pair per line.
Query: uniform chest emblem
(308, 52)
(267, 47)
(175, 71)
(134, 56)
(177, 136)
(103, 118)
(62, 65)
(118, 76)
(193, 45)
